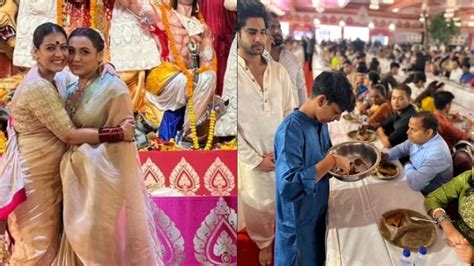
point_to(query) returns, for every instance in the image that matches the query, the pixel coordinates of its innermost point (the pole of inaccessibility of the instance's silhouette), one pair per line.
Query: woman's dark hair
(92, 35)
(381, 89)
(442, 98)
(44, 30)
(415, 77)
(374, 77)
(374, 65)
(429, 91)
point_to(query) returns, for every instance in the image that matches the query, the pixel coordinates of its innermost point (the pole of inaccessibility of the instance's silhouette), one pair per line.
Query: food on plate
(387, 169)
(363, 135)
(357, 166)
(350, 117)
(394, 219)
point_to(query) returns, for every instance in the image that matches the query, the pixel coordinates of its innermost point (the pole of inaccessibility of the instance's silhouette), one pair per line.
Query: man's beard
(277, 41)
(251, 50)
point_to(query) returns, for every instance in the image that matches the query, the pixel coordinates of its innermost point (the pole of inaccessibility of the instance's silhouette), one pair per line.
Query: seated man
(450, 133)
(467, 76)
(389, 80)
(394, 130)
(430, 163)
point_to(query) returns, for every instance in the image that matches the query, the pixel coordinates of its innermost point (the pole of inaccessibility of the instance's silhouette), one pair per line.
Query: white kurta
(260, 112)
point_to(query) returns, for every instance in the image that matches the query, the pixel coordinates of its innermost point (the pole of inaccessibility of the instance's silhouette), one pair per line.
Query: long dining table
(354, 209)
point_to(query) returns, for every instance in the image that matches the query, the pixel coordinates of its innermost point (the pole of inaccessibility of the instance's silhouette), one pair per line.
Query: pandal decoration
(60, 13)
(190, 82)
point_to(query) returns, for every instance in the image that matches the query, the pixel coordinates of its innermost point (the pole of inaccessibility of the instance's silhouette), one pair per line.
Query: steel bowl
(353, 150)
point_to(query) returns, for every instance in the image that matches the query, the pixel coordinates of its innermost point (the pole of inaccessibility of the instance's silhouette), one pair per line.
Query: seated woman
(380, 109)
(363, 101)
(460, 232)
(425, 101)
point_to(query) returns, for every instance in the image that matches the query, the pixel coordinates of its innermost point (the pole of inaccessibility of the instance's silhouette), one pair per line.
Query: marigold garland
(59, 12)
(93, 11)
(190, 82)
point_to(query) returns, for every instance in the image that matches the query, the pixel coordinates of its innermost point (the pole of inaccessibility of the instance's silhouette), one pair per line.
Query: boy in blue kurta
(302, 182)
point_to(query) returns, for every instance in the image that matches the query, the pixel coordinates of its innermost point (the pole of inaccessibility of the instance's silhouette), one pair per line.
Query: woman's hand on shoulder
(128, 126)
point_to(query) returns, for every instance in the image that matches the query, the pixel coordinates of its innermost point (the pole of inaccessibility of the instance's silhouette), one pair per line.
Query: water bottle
(405, 259)
(421, 259)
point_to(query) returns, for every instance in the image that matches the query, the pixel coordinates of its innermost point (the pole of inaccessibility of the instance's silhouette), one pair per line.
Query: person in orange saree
(30, 185)
(108, 218)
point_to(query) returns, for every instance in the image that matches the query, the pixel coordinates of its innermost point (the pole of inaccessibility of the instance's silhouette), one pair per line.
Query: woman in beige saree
(30, 185)
(108, 219)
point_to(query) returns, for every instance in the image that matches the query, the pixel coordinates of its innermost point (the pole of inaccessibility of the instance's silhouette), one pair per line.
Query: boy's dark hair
(467, 65)
(442, 98)
(362, 68)
(394, 64)
(405, 88)
(337, 89)
(250, 9)
(428, 120)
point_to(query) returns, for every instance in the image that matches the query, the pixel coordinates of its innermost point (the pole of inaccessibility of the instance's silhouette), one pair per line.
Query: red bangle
(111, 134)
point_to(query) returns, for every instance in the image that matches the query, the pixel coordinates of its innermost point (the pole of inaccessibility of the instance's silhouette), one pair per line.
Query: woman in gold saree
(108, 219)
(30, 185)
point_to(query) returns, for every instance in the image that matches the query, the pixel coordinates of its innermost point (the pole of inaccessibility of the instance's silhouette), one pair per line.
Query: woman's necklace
(73, 100)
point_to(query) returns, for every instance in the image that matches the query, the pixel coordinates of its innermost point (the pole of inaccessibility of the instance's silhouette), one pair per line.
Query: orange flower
(59, 12)
(93, 10)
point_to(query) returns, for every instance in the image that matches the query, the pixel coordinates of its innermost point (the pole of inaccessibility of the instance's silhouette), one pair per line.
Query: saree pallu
(35, 223)
(108, 219)
(12, 187)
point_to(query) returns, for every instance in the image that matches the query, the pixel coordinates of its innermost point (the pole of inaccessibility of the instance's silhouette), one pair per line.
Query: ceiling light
(374, 6)
(391, 27)
(371, 25)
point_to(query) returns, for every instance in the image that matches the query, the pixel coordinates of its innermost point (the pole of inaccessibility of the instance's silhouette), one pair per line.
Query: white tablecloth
(354, 209)
(463, 96)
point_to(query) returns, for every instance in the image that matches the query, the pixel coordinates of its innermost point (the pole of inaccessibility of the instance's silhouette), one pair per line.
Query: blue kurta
(301, 202)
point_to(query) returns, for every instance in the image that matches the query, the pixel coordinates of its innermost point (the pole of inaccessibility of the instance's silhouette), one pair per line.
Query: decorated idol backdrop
(178, 68)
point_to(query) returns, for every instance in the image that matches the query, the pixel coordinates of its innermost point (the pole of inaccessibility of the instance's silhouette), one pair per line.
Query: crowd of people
(285, 186)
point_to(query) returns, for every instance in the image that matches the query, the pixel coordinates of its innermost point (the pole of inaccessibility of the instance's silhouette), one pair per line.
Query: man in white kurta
(265, 98)
(291, 63)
